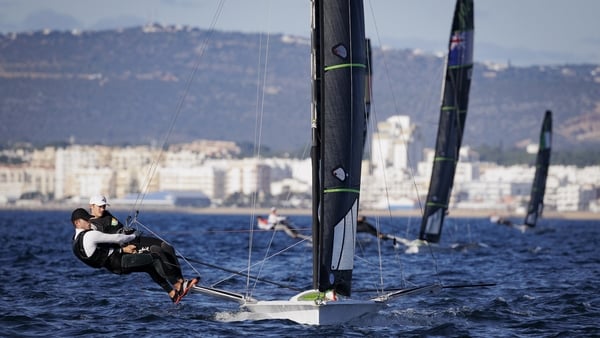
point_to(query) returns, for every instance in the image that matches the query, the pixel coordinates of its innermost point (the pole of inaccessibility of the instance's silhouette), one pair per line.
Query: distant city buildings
(396, 173)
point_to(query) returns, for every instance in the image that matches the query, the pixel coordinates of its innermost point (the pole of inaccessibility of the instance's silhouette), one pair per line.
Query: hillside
(125, 87)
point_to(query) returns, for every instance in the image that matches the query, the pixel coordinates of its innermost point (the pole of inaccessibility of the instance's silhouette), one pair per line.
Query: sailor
(275, 219)
(494, 218)
(363, 226)
(110, 251)
(104, 221)
(277, 222)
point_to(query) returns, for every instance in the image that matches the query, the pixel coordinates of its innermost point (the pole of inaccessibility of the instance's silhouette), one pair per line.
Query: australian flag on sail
(461, 48)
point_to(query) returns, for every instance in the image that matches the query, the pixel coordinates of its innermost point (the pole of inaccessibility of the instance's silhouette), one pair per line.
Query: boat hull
(314, 312)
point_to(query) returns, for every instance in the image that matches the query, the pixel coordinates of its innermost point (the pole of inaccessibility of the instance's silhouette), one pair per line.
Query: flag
(461, 48)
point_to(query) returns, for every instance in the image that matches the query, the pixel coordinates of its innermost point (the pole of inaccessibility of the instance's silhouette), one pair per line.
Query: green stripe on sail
(460, 66)
(345, 65)
(433, 204)
(440, 159)
(357, 191)
(452, 108)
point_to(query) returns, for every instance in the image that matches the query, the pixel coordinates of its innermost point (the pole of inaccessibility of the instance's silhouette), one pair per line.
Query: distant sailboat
(538, 188)
(453, 113)
(542, 162)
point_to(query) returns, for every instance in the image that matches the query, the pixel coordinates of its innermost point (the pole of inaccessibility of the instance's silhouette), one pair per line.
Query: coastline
(456, 213)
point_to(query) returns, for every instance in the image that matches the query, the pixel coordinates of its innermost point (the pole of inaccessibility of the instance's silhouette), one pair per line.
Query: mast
(338, 120)
(542, 162)
(368, 90)
(315, 154)
(453, 113)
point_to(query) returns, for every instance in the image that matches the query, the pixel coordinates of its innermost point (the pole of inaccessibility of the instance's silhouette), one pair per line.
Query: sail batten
(453, 113)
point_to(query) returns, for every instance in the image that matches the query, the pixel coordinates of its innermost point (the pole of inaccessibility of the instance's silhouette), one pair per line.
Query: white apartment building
(575, 197)
(247, 176)
(396, 145)
(206, 179)
(74, 172)
(290, 175)
(16, 181)
(77, 171)
(132, 167)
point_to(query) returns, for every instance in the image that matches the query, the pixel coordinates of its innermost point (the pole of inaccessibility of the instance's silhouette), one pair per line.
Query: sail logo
(340, 174)
(340, 51)
(546, 140)
(461, 49)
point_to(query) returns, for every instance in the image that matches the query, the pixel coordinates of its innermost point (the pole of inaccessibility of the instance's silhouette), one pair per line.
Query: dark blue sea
(547, 280)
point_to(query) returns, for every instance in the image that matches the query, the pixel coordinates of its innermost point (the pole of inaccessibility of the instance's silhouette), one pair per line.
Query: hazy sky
(523, 32)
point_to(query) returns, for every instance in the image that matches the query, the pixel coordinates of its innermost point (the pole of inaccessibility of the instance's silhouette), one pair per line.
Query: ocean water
(547, 280)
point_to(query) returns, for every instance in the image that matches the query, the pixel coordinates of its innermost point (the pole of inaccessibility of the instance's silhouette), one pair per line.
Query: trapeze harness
(101, 258)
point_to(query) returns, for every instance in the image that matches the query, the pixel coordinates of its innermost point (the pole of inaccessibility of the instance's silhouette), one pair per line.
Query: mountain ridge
(125, 87)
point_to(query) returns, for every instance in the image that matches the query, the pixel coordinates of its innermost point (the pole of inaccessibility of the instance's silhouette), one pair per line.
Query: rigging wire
(405, 135)
(396, 109)
(139, 224)
(175, 116)
(261, 80)
(259, 113)
(267, 257)
(154, 165)
(237, 273)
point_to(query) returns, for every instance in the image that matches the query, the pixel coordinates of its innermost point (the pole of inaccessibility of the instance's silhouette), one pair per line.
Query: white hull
(314, 312)
(412, 246)
(263, 224)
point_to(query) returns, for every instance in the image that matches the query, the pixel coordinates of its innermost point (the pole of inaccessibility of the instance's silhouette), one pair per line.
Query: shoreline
(574, 215)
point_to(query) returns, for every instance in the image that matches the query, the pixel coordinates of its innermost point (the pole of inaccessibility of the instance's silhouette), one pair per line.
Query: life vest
(98, 259)
(107, 223)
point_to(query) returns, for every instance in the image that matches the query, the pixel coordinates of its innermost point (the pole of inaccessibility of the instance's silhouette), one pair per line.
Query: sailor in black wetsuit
(363, 226)
(104, 221)
(110, 251)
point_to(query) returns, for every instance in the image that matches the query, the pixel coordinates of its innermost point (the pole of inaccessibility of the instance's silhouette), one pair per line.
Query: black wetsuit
(364, 226)
(159, 262)
(109, 224)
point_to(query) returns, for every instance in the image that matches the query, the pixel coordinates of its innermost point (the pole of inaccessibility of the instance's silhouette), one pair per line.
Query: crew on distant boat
(111, 251)
(363, 226)
(500, 220)
(275, 219)
(276, 222)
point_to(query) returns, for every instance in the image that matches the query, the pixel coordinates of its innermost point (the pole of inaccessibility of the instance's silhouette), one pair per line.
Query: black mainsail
(338, 120)
(453, 113)
(542, 162)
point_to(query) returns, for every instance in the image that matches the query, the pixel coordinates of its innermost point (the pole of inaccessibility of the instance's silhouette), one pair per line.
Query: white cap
(273, 209)
(98, 200)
